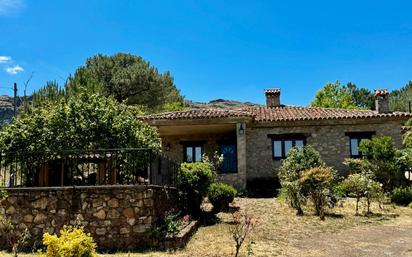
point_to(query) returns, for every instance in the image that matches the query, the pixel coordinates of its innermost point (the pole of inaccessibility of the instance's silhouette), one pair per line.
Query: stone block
(101, 231)
(100, 214)
(113, 203)
(113, 214)
(11, 210)
(28, 218)
(129, 213)
(39, 218)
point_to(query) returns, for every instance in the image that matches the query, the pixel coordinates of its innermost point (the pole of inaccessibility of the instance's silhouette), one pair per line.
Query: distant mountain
(6, 109)
(220, 104)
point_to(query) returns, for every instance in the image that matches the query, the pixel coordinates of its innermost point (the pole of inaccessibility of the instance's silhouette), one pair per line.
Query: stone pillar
(241, 155)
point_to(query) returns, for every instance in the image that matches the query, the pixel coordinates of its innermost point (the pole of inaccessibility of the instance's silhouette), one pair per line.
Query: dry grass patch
(279, 231)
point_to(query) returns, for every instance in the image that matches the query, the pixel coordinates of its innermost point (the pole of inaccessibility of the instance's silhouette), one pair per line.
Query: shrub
(170, 225)
(298, 160)
(381, 152)
(220, 195)
(318, 182)
(402, 196)
(194, 180)
(73, 242)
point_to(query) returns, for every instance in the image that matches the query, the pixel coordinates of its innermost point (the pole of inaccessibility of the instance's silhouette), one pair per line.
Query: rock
(11, 210)
(100, 231)
(129, 213)
(148, 202)
(113, 203)
(12, 199)
(124, 231)
(131, 221)
(28, 218)
(40, 203)
(40, 218)
(100, 214)
(139, 228)
(113, 214)
(61, 212)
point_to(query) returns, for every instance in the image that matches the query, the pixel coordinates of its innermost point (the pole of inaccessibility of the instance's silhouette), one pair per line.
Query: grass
(278, 230)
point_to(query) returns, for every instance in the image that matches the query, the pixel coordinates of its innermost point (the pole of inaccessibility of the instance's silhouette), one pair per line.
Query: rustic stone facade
(118, 217)
(254, 147)
(327, 137)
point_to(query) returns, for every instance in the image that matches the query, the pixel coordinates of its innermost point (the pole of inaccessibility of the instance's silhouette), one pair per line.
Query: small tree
(381, 152)
(318, 182)
(298, 160)
(242, 227)
(362, 185)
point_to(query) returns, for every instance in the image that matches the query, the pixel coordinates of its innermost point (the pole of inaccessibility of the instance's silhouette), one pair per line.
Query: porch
(188, 141)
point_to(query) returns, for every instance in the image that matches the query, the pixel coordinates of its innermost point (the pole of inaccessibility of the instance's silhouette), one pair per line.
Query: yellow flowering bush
(73, 242)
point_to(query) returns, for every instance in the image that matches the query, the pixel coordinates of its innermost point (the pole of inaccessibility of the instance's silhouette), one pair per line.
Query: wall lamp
(241, 129)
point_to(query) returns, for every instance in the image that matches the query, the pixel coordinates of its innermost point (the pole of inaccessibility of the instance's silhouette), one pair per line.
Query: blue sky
(214, 49)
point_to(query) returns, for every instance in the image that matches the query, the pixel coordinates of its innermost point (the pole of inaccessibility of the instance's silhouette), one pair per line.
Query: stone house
(254, 141)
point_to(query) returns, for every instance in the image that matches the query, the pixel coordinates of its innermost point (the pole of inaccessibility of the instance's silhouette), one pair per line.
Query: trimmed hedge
(220, 195)
(402, 196)
(194, 180)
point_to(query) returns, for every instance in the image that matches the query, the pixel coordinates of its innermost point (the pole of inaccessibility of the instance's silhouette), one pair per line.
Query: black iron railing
(87, 167)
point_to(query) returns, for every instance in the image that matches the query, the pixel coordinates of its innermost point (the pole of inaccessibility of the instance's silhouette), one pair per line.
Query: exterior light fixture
(241, 129)
(408, 174)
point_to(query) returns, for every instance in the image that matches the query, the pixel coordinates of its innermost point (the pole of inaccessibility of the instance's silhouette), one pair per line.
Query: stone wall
(327, 137)
(118, 217)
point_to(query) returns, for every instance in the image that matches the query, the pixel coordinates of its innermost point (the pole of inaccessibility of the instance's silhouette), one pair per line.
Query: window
(354, 140)
(192, 152)
(281, 144)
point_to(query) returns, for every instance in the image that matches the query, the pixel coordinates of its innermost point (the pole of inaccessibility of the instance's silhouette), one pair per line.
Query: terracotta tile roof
(281, 113)
(293, 113)
(203, 113)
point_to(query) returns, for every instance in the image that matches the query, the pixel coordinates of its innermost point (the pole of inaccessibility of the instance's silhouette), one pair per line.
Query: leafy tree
(399, 99)
(382, 153)
(361, 185)
(407, 137)
(86, 122)
(127, 78)
(51, 92)
(318, 182)
(334, 96)
(362, 97)
(298, 160)
(346, 97)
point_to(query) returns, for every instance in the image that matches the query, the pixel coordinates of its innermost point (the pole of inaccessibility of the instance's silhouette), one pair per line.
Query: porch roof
(199, 114)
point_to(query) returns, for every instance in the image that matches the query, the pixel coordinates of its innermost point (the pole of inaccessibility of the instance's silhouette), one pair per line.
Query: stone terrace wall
(116, 216)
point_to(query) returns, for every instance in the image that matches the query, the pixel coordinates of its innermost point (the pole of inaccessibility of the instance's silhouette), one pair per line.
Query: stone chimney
(382, 101)
(272, 97)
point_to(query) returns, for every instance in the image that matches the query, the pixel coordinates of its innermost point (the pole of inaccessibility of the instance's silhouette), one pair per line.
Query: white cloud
(10, 6)
(4, 59)
(14, 70)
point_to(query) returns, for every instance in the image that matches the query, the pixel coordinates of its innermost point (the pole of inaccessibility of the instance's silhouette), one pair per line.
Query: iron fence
(87, 167)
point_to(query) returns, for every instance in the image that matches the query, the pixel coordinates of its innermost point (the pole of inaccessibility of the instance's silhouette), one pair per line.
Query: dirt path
(394, 239)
